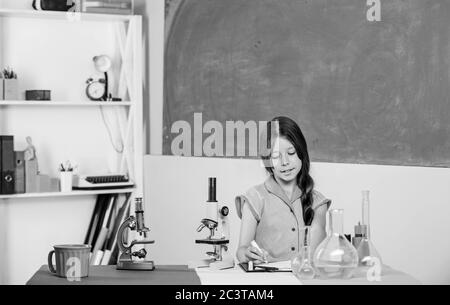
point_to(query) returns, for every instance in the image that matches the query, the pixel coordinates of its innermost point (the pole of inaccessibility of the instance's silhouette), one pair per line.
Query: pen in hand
(264, 253)
(267, 268)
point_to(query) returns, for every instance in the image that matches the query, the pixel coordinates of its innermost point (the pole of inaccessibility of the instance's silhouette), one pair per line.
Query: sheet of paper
(283, 265)
(237, 276)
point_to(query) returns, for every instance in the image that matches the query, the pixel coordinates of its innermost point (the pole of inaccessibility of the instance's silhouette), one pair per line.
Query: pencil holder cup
(66, 181)
(10, 89)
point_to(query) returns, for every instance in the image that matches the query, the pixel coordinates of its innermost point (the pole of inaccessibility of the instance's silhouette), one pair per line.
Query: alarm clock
(96, 89)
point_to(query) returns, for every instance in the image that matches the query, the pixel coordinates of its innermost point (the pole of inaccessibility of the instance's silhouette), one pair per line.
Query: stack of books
(119, 7)
(103, 228)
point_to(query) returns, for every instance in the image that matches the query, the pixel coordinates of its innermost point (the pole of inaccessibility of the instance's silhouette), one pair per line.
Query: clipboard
(257, 268)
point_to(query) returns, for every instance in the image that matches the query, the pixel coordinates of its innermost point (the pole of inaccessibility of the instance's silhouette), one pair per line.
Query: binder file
(7, 159)
(20, 172)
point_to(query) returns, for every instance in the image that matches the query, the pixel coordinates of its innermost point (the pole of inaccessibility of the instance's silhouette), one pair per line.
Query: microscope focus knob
(224, 211)
(140, 254)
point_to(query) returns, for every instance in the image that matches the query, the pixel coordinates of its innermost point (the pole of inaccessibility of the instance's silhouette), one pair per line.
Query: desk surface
(181, 275)
(109, 275)
(237, 276)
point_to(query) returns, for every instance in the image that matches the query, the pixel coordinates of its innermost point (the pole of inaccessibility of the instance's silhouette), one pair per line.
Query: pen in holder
(66, 176)
(2, 84)
(10, 85)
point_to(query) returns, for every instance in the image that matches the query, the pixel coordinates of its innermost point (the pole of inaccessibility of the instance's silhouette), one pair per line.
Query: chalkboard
(375, 92)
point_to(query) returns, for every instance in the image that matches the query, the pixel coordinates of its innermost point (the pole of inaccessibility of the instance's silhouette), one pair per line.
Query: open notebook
(283, 266)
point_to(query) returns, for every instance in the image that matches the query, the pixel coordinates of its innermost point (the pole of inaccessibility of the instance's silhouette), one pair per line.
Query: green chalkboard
(362, 91)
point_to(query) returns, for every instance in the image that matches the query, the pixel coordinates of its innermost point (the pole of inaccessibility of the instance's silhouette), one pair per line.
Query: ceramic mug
(72, 261)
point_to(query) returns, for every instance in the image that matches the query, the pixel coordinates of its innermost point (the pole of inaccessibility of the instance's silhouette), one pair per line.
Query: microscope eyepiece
(212, 190)
(139, 205)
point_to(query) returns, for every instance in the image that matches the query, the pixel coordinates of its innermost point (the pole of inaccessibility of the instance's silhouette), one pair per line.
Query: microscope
(133, 223)
(217, 222)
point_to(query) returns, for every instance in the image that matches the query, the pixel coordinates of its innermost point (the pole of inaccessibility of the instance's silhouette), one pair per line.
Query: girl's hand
(258, 257)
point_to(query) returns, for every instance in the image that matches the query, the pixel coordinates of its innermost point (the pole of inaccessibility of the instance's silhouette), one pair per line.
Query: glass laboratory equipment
(335, 257)
(367, 254)
(301, 263)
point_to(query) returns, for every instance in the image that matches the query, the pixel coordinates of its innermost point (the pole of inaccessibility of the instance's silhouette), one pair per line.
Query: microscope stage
(212, 241)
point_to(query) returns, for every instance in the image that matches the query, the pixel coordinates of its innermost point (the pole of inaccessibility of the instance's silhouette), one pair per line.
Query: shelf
(71, 17)
(68, 194)
(123, 38)
(57, 104)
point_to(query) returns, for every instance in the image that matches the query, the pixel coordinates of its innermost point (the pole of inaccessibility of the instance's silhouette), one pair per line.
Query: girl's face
(285, 161)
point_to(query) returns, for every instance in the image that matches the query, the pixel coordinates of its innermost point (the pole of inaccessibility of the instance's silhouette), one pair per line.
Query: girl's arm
(245, 251)
(318, 231)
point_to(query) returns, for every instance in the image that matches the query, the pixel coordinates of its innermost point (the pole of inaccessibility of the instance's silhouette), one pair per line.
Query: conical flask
(335, 257)
(367, 254)
(302, 264)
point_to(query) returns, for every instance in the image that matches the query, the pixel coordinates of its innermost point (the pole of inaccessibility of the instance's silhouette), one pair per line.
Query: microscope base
(212, 264)
(136, 265)
(221, 265)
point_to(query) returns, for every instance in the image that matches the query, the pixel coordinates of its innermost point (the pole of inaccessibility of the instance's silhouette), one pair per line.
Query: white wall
(409, 208)
(31, 226)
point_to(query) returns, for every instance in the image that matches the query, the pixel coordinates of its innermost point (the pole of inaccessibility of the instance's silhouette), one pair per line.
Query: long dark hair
(287, 128)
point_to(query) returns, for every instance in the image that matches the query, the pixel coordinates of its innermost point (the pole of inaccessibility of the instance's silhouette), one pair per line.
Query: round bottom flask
(335, 257)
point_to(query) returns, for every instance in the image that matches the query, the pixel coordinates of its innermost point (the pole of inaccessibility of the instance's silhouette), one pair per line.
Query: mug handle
(50, 263)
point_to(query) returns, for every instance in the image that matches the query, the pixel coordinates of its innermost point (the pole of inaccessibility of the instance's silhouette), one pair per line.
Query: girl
(274, 213)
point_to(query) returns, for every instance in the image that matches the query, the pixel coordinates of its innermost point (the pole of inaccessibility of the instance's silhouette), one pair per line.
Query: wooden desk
(181, 275)
(109, 275)
(237, 276)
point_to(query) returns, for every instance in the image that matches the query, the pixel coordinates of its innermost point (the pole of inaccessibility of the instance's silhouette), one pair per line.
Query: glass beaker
(335, 257)
(367, 254)
(301, 263)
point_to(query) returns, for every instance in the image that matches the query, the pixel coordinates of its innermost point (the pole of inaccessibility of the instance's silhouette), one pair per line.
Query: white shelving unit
(129, 112)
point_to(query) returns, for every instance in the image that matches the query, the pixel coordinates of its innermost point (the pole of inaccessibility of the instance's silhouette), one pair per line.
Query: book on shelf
(114, 256)
(121, 7)
(116, 4)
(100, 239)
(97, 252)
(112, 219)
(19, 172)
(94, 220)
(101, 216)
(106, 257)
(31, 179)
(107, 10)
(111, 247)
(96, 258)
